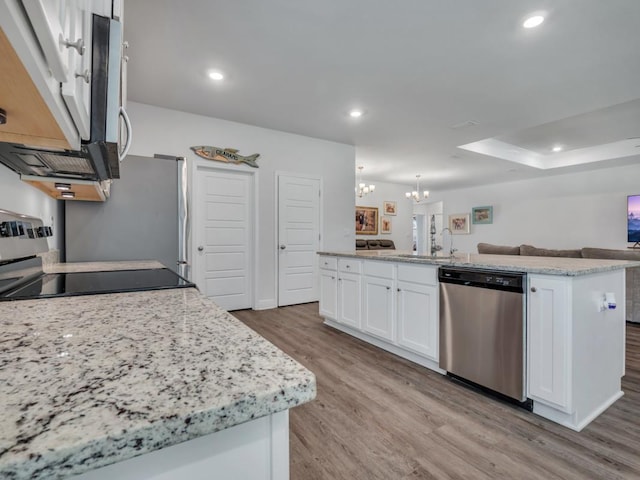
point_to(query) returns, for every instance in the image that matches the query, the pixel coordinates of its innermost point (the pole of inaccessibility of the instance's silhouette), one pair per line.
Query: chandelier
(363, 189)
(415, 195)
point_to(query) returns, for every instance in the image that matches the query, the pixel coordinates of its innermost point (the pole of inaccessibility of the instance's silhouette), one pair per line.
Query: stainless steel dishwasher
(482, 329)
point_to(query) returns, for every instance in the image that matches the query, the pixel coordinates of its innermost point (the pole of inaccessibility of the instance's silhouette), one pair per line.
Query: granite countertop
(101, 266)
(513, 263)
(92, 380)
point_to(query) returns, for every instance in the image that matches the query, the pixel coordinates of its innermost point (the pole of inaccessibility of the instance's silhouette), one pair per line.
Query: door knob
(282, 247)
(534, 289)
(200, 248)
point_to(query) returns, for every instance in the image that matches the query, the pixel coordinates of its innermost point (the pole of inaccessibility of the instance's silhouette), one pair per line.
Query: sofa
(375, 244)
(632, 293)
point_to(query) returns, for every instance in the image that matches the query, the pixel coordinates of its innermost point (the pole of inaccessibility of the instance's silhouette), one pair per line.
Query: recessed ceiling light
(533, 22)
(68, 195)
(355, 113)
(216, 76)
(63, 186)
(557, 148)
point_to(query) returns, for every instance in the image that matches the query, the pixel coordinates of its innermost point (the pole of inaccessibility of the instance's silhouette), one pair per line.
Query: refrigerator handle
(184, 225)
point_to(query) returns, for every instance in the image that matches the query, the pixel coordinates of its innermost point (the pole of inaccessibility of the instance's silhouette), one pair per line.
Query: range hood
(99, 158)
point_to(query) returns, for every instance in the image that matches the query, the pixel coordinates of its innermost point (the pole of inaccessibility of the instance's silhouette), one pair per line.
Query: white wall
(159, 130)
(20, 197)
(587, 209)
(401, 225)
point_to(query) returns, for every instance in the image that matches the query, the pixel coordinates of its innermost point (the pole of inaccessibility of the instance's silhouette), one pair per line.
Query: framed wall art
(366, 220)
(482, 215)
(389, 208)
(459, 223)
(385, 225)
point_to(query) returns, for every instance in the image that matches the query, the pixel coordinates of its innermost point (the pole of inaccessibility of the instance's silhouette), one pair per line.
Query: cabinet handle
(388, 288)
(333, 278)
(348, 266)
(86, 76)
(398, 289)
(534, 289)
(78, 44)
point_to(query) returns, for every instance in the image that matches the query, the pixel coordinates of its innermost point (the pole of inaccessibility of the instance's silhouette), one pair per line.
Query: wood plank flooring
(378, 416)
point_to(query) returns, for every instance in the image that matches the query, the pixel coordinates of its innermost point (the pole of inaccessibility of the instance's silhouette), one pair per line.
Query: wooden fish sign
(228, 155)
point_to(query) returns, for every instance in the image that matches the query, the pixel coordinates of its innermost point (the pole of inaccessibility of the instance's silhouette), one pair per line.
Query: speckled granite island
(574, 346)
(92, 380)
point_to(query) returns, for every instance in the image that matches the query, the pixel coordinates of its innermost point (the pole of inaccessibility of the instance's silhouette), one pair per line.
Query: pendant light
(361, 188)
(415, 195)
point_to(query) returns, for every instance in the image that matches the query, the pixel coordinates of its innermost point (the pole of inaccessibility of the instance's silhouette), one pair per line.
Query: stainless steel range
(22, 277)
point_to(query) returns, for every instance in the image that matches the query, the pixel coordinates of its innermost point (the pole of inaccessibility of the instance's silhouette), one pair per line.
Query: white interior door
(298, 239)
(224, 237)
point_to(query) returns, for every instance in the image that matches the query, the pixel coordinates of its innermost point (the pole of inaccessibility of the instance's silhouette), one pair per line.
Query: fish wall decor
(227, 155)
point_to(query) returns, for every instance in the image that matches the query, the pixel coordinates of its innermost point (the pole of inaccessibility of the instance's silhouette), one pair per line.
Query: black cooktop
(89, 283)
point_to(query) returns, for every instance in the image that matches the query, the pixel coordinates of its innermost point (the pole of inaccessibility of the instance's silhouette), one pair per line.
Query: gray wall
(20, 197)
(138, 222)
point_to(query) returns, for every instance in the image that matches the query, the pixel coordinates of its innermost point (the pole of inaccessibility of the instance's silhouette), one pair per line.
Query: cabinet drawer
(329, 263)
(425, 274)
(379, 269)
(349, 265)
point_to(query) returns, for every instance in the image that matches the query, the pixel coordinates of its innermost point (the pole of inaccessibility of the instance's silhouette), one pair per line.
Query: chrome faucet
(451, 249)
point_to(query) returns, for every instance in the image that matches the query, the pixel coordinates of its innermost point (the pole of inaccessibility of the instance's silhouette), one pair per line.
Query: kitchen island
(574, 345)
(92, 380)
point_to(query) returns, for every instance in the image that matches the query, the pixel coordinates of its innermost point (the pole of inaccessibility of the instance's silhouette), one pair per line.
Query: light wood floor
(378, 416)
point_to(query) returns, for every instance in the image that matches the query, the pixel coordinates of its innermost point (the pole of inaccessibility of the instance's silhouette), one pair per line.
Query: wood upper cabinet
(29, 118)
(549, 341)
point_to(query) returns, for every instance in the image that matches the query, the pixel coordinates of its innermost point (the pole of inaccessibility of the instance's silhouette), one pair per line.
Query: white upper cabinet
(51, 22)
(76, 91)
(63, 28)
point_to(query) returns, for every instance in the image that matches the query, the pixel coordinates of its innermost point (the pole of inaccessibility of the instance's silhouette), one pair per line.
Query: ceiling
(429, 75)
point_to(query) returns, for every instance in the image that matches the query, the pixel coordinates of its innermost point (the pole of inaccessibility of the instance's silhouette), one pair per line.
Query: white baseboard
(396, 350)
(266, 304)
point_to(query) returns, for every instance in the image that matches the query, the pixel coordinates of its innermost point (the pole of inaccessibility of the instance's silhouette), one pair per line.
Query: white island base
(255, 450)
(574, 346)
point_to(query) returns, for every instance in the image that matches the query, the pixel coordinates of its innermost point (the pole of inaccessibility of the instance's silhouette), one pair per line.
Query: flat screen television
(633, 218)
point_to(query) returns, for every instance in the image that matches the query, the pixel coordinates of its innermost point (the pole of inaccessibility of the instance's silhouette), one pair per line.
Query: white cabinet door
(328, 294)
(418, 318)
(549, 341)
(378, 307)
(76, 91)
(349, 299)
(51, 21)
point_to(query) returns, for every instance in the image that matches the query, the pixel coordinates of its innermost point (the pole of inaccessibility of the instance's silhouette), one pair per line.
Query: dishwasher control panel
(513, 281)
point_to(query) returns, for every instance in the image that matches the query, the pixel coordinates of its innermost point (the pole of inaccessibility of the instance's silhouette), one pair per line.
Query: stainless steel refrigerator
(145, 218)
